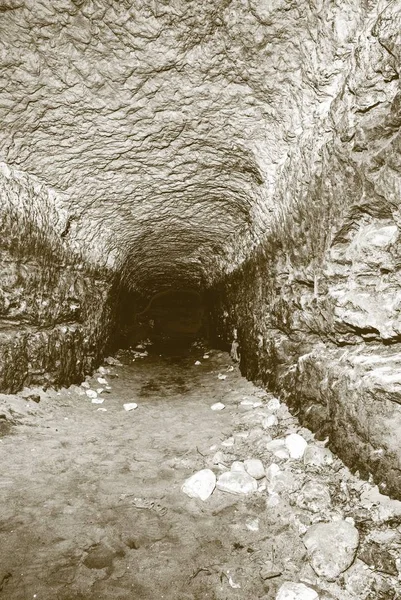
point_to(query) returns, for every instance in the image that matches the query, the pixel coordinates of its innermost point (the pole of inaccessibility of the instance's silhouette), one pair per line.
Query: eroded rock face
(316, 311)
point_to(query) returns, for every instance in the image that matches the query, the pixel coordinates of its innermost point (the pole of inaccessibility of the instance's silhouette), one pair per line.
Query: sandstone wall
(56, 312)
(317, 308)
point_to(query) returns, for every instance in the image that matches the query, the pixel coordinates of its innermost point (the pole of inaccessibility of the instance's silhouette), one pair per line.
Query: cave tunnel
(200, 299)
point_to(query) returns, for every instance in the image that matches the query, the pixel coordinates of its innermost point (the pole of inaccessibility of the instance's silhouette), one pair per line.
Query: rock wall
(316, 309)
(56, 310)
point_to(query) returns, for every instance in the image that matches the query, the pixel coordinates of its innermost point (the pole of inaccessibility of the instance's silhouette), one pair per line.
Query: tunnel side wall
(317, 309)
(56, 311)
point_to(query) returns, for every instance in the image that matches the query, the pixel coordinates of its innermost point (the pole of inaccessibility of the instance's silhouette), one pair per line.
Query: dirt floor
(92, 506)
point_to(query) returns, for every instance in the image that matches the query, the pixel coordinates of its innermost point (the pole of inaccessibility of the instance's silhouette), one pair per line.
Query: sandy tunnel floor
(92, 506)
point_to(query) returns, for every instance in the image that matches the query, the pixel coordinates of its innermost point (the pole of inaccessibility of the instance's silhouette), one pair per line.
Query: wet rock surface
(93, 505)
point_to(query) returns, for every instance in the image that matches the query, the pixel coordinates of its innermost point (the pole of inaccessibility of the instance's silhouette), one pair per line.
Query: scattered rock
(238, 467)
(270, 421)
(113, 361)
(97, 400)
(221, 376)
(269, 571)
(197, 363)
(130, 406)
(91, 394)
(296, 591)
(273, 404)
(200, 485)
(254, 467)
(102, 380)
(331, 547)
(218, 458)
(276, 444)
(218, 406)
(252, 525)
(317, 456)
(236, 482)
(228, 443)
(314, 496)
(296, 445)
(272, 471)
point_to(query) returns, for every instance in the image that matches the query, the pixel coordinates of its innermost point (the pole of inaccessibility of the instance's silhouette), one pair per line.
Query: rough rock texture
(250, 147)
(56, 312)
(315, 312)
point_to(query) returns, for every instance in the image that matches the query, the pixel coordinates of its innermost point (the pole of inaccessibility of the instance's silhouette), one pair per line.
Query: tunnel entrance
(171, 320)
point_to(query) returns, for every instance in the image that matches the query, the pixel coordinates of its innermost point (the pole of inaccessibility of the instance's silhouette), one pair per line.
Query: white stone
(246, 402)
(91, 393)
(317, 456)
(236, 483)
(197, 363)
(254, 467)
(252, 525)
(102, 381)
(282, 453)
(269, 421)
(221, 376)
(273, 404)
(97, 400)
(331, 547)
(218, 458)
(296, 591)
(130, 406)
(85, 384)
(200, 485)
(205, 356)
(272, 471)
(238, 467)
(218, 406)
(275, 444)
(228, 443)
(296, 445)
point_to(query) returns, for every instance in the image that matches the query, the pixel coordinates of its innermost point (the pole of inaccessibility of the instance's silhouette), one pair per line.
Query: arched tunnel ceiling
(163, 122)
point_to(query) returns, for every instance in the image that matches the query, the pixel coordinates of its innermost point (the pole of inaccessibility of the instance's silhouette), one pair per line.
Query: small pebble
(269, 421)
(197, 363)
(238, 467)
(97, 400)
(91, 393)
(130, 406)
(221, 376)
(218, 406)
(296, 445)
(252, 525)
(273, 404)
(296, 591)
(254, 467)
(200, 485)
(228, 443)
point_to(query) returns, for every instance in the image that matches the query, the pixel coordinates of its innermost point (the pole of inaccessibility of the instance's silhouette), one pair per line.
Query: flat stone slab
(237, 482)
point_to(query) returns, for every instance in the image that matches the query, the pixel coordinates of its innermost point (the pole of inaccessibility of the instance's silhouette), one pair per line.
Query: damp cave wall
(316, 309)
